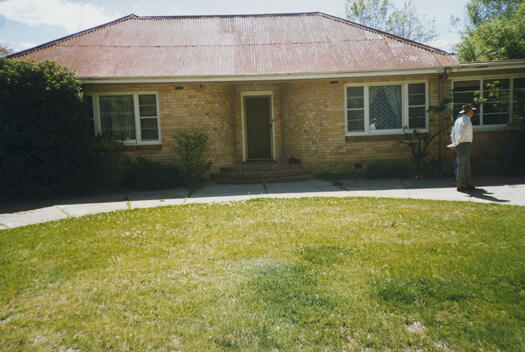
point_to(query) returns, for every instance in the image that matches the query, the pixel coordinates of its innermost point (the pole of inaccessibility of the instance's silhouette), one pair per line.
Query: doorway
(257, 112)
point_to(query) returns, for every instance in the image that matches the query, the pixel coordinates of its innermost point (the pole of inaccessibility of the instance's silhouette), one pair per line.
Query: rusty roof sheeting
(234, 45)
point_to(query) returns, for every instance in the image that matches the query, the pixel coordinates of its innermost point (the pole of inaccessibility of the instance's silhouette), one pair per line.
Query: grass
(291, 275)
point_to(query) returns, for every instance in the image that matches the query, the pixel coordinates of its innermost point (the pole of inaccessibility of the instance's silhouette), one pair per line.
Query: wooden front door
(258, 128)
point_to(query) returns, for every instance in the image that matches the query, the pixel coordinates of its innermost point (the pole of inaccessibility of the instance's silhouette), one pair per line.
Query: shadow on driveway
(497, 189)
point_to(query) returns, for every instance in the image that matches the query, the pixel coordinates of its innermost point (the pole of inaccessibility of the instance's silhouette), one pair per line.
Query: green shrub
(107, 172)
(142, 174)
(45, 136)
(191, 147)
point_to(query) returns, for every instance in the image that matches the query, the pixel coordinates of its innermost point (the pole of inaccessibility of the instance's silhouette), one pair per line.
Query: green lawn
(320, 274)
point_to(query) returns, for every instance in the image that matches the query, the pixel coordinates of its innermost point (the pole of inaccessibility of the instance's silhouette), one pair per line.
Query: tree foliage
(481, 11)
(382, 15)
(4, 50)
(495, 30)
(372, 13)
(44, 137)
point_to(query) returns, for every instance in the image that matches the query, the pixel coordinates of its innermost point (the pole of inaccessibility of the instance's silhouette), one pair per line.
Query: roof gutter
(488, 66)
(272, 77)
(446, 70)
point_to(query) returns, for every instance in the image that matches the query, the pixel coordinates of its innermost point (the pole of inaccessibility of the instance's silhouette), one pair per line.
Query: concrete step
(252, 180)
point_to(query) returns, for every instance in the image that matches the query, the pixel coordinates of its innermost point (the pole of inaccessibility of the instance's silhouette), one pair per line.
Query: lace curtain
(386, 107)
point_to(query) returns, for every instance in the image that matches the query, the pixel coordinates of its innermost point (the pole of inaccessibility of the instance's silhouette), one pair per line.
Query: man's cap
(466, 108)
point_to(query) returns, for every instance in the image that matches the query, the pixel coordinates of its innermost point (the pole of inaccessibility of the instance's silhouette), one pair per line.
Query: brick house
(330, 92)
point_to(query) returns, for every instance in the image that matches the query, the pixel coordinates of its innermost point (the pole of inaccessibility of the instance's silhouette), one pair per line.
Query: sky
(28, 23)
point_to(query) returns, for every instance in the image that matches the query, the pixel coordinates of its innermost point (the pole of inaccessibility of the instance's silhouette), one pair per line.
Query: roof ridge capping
(284, 14)
(314, 13)
(393, 36)
(74, 35)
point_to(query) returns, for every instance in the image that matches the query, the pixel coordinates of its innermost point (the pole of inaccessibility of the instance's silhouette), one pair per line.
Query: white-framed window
(386, 107)
(497, 99)
(132, 118)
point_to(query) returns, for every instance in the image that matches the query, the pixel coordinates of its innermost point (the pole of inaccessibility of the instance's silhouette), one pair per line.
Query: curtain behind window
(117, 116)
(386, 108)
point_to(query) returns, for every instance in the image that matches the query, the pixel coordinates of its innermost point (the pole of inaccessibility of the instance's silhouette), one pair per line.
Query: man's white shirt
(462, 130)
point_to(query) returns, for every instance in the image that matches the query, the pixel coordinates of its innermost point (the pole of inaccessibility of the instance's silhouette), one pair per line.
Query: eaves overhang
(488, 66)
(270, 77)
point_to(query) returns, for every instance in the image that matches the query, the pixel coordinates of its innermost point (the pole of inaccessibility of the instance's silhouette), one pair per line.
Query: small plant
(191, 147)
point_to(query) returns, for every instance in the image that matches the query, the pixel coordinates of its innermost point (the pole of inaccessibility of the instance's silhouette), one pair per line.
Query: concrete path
(492, 190)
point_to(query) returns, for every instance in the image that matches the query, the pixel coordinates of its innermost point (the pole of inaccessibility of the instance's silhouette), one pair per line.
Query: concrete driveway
(497, 190)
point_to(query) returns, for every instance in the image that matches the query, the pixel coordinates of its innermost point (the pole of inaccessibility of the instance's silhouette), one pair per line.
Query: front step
(262, 173)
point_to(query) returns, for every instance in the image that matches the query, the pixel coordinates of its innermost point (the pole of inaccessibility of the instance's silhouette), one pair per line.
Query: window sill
(390, 135)
(156, 146)
(376, 137)
(494, 128)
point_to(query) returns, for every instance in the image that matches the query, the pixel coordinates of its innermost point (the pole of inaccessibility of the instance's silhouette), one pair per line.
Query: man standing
(461, 141)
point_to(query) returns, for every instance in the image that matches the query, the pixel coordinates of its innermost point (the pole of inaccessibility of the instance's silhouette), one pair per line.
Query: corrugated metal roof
(184, 46)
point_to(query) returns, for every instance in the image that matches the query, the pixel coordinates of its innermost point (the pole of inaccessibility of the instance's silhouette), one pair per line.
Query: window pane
(117, 116)
(356, 120)
(354, 92)
(355, 109)
(495, 119)
(355, 102)
(465, 97)
(416, 88)
(466, 92)
(496, 84)
(519, 98)
(355, 98)
(466, 86)
(386, 107)
(147, 105)
(519, 83)
(496, 105)
(416, 94)
(417, 117)
(149, 129)
(418, 99)
(356, 126)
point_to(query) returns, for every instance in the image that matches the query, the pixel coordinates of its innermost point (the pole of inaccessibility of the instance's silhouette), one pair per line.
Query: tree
(4, 51)
(406, 23)
(495, 30)
(480, 11)
(372, 13)
(45, 140)
(382, 15)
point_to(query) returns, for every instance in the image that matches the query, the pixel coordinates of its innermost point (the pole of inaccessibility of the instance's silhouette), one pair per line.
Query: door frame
(262, 94)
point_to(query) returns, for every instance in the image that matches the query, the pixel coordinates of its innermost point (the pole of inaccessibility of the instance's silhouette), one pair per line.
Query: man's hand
(451, 146)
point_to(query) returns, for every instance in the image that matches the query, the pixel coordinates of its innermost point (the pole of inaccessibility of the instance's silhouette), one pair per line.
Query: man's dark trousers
(463, 178)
